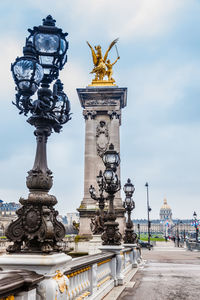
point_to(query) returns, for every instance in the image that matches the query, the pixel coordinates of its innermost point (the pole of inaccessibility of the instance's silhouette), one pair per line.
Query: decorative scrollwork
(16, 231)
(32, 219)
(111, 235)
(130, 237)
(38, 180)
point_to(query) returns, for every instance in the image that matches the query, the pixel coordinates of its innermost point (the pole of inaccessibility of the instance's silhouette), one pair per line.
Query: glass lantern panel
(91, 190)
(110, 158)
(128, 201)
(115, 179)
(46, 60)
(23, 69)
(62, 46)
(108, 174)
(129, 188)
(47, 71)
(39, 73)
(46, 43)
(117, 159)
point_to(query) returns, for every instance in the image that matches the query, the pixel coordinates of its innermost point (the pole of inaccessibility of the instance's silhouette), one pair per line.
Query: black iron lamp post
(37, 228)
(111, 185)
(148, 211)
(130, 236)
(138, 226)
(196, 225)
(97, 225)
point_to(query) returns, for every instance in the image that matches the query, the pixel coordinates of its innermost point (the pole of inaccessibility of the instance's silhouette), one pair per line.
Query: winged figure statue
(102, 66)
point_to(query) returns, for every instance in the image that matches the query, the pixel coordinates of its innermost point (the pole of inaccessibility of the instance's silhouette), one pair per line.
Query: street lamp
(108, 182)
(130, 236)
(138, 226)
(37, 228)
(196, 223)
(148, 211)
(178, 232)
(97, 225)
(51, 47)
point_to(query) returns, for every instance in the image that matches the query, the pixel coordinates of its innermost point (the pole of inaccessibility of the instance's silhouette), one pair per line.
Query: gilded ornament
(60, 279)
(102, 66)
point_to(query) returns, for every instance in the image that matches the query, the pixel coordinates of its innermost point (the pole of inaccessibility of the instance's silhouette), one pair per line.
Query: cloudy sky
(159, 47)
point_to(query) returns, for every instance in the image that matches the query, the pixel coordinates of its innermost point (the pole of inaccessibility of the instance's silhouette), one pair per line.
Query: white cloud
(127, 19)
(159, 85)
(10, 49)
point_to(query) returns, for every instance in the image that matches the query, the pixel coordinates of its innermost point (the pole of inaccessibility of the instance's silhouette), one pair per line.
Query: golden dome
(165, 205)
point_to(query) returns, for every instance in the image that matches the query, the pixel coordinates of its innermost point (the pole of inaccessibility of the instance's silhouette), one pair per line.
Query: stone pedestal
(135, 259)
(55, 284)
(95, 243)
(102, 112)
(117, 269)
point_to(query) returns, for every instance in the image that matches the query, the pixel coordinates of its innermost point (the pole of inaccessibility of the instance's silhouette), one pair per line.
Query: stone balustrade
(19, 284)
(89, 277)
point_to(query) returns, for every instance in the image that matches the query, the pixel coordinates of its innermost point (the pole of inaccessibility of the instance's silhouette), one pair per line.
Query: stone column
(90, 150)
(102, 112)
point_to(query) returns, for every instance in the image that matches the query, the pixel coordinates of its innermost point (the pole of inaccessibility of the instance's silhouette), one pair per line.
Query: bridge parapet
(89, 277)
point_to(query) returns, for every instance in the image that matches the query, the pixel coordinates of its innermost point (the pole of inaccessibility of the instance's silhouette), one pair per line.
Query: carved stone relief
(100, 102)
(103, 138)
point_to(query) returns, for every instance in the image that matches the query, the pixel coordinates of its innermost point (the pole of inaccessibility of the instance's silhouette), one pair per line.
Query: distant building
(70, 217)
(165, 212)
(165, 225)
(8, 209)
(7, 214)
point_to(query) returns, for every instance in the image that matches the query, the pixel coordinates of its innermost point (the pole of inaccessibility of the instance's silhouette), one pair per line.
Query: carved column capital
(114, 114)
(89, 114)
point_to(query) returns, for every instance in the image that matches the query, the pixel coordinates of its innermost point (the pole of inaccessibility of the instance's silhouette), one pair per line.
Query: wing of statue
(109, 48)
(94, 57)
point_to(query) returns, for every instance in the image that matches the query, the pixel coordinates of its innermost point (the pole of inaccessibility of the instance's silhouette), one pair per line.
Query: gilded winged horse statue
(102, 66)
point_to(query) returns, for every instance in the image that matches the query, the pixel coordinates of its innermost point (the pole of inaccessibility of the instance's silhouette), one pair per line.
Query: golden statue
(102, 66)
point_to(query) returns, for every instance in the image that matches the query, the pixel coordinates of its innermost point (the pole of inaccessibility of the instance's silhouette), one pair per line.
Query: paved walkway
(169, 274)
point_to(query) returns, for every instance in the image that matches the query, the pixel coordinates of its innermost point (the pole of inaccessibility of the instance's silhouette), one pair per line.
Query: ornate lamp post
(37, 228)
(196, 223)
(108, 182)
(148, 211)
(130, 236)
(138, 226)
(97, 225)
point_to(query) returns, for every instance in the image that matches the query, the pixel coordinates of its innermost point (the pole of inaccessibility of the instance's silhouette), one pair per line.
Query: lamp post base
(111, 235)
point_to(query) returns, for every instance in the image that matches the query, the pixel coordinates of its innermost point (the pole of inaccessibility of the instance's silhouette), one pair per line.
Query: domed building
(165, 212)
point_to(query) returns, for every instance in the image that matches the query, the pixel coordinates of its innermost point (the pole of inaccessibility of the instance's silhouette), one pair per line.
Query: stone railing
(89, 277)
(19, 284)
